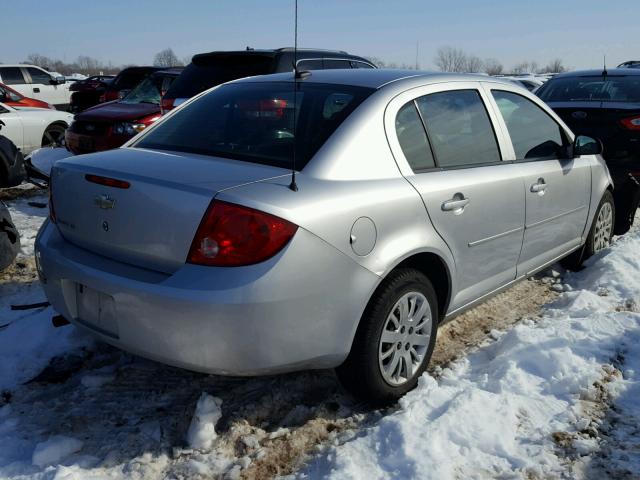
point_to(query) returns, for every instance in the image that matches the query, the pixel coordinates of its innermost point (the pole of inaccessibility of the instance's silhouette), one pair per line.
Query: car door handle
(458, 202)
(539, 186)
(36, 90)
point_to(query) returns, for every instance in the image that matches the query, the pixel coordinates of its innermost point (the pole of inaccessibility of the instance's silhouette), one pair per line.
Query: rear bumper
(296, 311)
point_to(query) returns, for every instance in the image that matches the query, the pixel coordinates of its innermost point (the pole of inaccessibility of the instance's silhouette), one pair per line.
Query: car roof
(373, 78)
(611, 72)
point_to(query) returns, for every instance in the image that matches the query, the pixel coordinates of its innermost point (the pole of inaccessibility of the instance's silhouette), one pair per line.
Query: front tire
(395, 339)
(599, 235)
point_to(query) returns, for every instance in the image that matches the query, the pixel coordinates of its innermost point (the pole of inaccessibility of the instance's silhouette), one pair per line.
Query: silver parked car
(418, 195)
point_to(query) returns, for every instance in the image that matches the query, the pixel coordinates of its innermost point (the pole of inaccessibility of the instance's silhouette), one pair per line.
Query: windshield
(148, 91)
(8, 96)
(254, 122)
(594, 88)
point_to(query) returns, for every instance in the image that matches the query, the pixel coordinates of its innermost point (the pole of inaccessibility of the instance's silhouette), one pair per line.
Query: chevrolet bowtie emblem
(105, 202)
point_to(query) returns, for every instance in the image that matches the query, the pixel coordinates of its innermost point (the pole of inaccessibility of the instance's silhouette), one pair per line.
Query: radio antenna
(293, 186)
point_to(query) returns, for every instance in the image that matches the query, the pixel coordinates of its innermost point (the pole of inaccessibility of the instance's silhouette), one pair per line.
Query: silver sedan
(415, 196)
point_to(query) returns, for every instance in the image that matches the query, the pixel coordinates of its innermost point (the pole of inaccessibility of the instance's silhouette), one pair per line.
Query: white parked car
(35, 82)
(32, 128)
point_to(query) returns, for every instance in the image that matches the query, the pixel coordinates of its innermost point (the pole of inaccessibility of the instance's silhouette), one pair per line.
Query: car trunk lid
(150, 224)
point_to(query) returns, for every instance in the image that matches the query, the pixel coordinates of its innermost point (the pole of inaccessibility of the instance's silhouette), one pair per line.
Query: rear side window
(331, 64)
(207, 72)
(38, 76)
(459, 128)
(254, 122)
(12, 76)
(413, 138)
(360, 64)
(310, 64)
(534, 134)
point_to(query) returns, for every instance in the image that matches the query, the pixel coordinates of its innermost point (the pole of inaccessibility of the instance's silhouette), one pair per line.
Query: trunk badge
(105, 226)
(104, 202)
(579, 115)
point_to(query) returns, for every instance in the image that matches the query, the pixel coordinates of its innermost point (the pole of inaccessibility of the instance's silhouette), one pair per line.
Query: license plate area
(96, 310)
(85, 143)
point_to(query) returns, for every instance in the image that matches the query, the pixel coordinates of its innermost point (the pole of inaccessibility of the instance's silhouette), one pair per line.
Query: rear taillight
(631, 123)
(166, 104)
(231, 235)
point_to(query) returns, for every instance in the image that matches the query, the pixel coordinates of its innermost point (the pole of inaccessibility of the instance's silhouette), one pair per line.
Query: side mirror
(58, 80)
(584, 145)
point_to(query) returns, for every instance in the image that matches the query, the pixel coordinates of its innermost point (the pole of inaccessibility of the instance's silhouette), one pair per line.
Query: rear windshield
(254, 122)
(128, 79)
(209, 72)
(596, 88)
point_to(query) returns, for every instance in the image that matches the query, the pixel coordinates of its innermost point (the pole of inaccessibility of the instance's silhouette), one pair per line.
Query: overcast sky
(579, 32)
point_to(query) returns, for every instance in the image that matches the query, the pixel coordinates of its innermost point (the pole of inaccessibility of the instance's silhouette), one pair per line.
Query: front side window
(534, 134)
(254, 122)
(310, 64)
(38, 76)
(413, 138)
(12, 76)
(459, 128)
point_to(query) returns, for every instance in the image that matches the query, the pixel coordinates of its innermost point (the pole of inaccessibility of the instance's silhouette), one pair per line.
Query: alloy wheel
(405, 338)
(604, 227)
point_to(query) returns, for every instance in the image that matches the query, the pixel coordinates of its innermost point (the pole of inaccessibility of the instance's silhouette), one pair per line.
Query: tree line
(447, 59)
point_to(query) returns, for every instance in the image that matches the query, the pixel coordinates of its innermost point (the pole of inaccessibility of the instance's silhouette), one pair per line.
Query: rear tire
(599, 235)
(9, 238)
(394, 341)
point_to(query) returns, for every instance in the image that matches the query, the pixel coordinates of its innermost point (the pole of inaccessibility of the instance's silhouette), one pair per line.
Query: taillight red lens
(632, 123)
(231, 235)
(166, 104)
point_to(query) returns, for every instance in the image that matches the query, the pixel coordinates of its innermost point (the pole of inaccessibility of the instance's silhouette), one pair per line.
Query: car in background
(630, 64)
(207, 70)
(125, 81)
(32, 128)
(530, 84)
(10, 97)
(111, 124)
(35, 82)
(86, 93)
(417, 195)
(605, 105)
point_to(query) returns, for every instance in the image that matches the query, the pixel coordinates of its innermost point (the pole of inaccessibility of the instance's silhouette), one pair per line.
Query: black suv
(207, 70)
(605, 105)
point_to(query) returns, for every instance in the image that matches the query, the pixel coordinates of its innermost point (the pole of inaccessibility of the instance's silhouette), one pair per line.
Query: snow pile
(28, 340)
(497, 412)
(202, 431)
(54, 450)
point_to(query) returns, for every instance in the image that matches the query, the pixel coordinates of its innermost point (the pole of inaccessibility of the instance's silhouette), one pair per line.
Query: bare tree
(166, 58)
(493, 66)
(39, 60)
(526, 67)
(450, 59)
(555, 66)
(473, 64)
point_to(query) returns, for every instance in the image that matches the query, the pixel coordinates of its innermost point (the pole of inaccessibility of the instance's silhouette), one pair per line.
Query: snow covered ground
(554, 397)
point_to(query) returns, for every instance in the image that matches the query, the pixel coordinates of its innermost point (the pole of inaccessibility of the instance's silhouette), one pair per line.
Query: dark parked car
(207, 70)
(87, 92)
(111, 124)
(126, 81)
(630, 64)
(605, 105)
